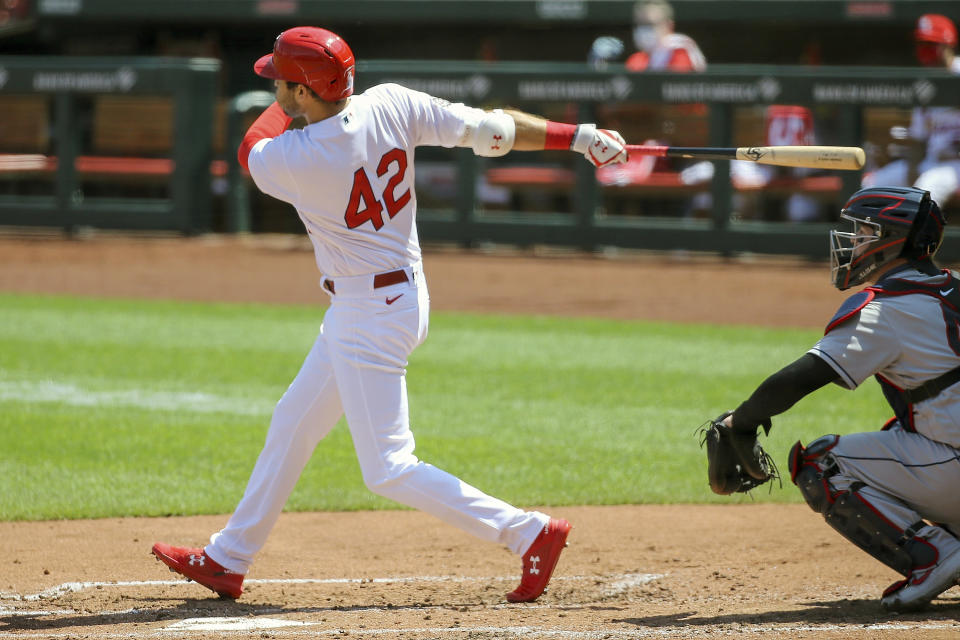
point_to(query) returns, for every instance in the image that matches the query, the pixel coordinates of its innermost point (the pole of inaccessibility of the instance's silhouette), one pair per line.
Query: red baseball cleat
(196, 565)
(540, 560)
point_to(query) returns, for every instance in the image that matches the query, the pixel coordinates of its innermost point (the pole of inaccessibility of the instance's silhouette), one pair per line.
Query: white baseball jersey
(351, 179)
(904, 338)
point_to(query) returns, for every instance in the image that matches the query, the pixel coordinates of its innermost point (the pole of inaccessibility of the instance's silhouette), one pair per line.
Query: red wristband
(559, 136)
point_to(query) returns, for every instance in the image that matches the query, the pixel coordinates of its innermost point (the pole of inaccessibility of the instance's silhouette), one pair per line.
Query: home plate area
(631, 605)
(756, 571)
(425, 606)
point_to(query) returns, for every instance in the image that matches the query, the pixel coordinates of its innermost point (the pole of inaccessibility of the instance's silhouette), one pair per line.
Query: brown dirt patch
(637, 571)
(280, 269)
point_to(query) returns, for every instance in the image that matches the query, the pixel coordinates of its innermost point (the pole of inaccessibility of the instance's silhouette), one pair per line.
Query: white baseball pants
(357, 367)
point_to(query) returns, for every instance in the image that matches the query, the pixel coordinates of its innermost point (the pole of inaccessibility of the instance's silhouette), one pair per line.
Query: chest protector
(948, 294)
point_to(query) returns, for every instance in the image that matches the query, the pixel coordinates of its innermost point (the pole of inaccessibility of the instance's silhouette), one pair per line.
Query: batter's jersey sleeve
(268, 167)
(431, 121)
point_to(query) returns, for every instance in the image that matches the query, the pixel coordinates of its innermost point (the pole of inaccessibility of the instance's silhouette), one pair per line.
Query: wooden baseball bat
(810, 157)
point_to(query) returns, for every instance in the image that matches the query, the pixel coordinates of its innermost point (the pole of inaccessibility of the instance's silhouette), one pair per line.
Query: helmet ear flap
(926, 232)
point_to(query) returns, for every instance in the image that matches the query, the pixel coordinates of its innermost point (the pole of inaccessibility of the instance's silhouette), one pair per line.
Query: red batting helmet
(314, 57)
(933, 27)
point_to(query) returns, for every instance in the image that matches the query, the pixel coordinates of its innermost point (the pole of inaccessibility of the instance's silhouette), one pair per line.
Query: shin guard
(852, 515)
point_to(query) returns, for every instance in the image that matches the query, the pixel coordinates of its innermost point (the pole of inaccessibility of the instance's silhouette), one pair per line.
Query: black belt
(932, 388)
(379, 281)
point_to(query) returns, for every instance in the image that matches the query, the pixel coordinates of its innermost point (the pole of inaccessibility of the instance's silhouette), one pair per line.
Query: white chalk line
(233, 624)
(277, 630)
(621, 583)
(630, 580)
(28, 613)
(525, 631)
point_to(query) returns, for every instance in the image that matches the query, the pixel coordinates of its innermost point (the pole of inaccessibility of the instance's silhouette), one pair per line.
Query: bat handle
(647, 150)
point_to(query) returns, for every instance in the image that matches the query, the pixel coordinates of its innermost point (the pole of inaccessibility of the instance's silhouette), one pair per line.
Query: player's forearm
(782, 390)
(531, 131)
(498, 132)
(536, 134)
(599, 146)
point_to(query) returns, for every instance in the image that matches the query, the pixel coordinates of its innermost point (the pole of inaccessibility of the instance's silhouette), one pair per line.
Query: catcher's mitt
(736, 462)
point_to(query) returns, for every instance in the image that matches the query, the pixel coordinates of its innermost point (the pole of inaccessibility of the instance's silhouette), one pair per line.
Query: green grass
(113, 408)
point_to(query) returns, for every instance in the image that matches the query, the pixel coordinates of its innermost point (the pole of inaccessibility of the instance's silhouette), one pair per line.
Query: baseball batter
(350, 176)
(891, 492)
(939, 170)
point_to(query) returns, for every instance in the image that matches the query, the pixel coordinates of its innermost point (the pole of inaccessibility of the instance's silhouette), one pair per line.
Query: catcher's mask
(888, 223)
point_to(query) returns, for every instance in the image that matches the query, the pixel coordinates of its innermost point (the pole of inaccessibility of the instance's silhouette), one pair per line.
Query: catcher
(891, 492)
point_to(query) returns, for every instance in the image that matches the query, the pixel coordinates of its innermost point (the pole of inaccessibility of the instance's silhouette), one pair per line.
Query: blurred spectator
(659, 48)
(489, 50)
(603, 50)
(784, 125)
(937, 169)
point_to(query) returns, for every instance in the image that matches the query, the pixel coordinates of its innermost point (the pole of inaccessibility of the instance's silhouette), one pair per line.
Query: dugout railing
(57, 162)
(570, 91)
(845, 92)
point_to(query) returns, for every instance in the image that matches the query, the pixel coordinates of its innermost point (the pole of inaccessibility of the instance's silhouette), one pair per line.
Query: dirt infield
(643, 571)
(280, 269)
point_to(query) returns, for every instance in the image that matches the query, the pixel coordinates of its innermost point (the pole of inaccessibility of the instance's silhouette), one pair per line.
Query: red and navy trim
(850, 308)
(914, 578)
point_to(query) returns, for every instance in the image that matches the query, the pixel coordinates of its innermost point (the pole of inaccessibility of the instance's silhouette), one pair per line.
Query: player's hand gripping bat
(811, 157)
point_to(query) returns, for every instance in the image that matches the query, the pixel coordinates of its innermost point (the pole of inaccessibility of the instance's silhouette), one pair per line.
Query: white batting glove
(600, 146)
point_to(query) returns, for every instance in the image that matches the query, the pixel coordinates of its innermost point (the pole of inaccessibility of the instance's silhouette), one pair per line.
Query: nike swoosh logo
(947, 292)
(394, 299)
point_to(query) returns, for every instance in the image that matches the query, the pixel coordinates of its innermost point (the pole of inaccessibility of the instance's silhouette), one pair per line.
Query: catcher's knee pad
(851, 514)
(810, 467)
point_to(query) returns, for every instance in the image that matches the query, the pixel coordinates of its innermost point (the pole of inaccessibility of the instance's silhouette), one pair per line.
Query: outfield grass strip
(137, 408)
(49, 391)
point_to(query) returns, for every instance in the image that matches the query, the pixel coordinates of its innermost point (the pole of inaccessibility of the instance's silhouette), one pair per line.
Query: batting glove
(600, 146)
